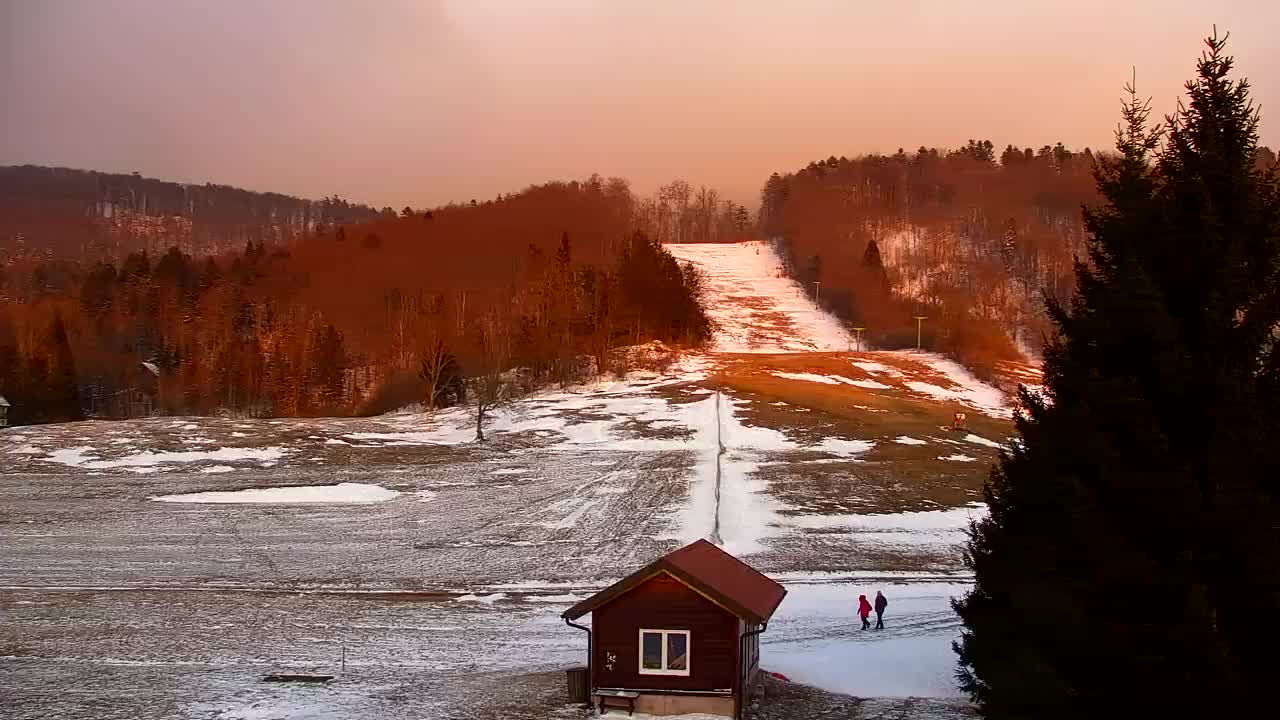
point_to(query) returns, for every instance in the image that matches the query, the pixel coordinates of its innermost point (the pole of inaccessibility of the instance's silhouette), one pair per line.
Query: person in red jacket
(864, 609)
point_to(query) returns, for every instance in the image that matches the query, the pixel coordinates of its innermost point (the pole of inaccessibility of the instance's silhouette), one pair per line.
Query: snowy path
(755, 307)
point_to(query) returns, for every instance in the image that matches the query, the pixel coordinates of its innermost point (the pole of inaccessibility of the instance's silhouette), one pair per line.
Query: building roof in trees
(3, 402)
(151, 368)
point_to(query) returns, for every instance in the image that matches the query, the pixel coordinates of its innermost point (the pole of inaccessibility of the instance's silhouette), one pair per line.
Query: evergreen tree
(564, 254)
(1130, 563)
(328, 365)
(872, 261)
(771, 201)
(32, 402)
(813, 274)
(61, 392)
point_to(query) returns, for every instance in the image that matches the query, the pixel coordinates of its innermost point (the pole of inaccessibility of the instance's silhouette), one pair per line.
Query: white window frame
(688, 652)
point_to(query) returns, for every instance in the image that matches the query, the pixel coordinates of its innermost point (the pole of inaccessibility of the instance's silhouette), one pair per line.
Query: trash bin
(577, 677)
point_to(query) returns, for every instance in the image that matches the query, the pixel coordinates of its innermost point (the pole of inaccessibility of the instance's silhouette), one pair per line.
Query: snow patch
(808, 377)
(72, 456)
(968, 389)
(978, 440)
(908, 440)
(346, 493)
(876, 368)
(566, 598)
(958, 458)
(485, 599)
(846, 448)
(831, 380)
(913, 528)
(84, 457)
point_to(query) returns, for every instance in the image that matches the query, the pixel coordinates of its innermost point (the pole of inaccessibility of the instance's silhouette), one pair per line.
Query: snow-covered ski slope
(755, 307)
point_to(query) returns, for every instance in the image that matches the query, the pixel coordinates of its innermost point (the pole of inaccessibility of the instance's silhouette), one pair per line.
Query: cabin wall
(750, 652)
(664, 603)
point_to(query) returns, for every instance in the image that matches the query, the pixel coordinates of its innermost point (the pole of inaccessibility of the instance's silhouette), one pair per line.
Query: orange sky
(419, 103)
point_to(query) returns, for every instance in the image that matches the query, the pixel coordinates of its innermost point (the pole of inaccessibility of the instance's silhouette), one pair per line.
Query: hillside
(81, 215)
(973, 238)
(341, 321)
(969, 238)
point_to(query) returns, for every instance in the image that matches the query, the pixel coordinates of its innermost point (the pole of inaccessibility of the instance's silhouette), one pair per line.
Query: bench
(288, 677)
(616, 698)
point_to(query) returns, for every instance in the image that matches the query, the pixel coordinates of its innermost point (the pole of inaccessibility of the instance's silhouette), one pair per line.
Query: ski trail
(755, 308)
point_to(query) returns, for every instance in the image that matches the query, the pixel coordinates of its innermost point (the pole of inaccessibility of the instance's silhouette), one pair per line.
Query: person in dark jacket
(881, 603)
(864, 609)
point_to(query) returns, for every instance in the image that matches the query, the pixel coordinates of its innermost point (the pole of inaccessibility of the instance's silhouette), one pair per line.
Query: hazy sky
(395, 103)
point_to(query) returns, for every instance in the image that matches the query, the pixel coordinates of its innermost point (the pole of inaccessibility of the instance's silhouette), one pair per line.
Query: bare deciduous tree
(436, 363)
(489, 386)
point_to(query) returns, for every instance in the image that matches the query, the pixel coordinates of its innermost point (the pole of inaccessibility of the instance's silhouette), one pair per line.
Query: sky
(399, 102)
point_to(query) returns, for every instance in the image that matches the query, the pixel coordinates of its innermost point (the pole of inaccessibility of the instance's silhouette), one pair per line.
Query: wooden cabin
(4, 412)
(680, 635)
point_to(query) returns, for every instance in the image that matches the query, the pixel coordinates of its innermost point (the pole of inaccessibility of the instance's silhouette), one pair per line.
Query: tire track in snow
(715, 527)
(726, 503)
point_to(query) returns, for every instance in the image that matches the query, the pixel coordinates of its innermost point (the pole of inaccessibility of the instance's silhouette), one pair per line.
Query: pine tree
(874, 264)
(328, 363)
(62, 393)
(1130, 562)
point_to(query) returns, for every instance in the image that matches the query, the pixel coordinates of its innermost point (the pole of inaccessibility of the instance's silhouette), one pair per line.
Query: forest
(973, 239)
(419, 306)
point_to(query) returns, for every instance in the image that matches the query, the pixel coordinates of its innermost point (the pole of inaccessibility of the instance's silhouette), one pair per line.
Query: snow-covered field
(156, 568)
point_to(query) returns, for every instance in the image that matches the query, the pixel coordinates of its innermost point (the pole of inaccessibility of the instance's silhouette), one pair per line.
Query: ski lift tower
(857, 338)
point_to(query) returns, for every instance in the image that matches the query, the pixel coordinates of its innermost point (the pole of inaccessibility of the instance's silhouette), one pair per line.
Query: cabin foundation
(668, 704)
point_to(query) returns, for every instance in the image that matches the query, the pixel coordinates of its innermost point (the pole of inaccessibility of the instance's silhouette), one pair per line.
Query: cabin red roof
(726, 580)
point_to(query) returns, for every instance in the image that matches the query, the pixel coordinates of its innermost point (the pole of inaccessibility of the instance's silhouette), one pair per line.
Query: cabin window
(664, 652)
